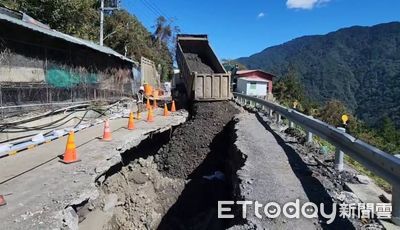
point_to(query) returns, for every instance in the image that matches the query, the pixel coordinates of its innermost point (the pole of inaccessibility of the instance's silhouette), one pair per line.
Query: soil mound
(191, 142)
(196, 64)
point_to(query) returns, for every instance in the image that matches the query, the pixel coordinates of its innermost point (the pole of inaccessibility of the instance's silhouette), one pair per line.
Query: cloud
(304, 4)
(261, 15)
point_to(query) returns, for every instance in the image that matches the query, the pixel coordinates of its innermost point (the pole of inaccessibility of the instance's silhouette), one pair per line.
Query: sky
(239, 28)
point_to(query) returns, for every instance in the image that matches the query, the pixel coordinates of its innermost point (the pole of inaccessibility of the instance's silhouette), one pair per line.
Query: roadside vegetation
(385, 137)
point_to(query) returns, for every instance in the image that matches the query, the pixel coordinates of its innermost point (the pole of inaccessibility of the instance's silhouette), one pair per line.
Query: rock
(138, 177)
(363, 179)
(101, 179)
(142, 162)
(88, 194)
(150, 159)
(91, 206)
(372, 226)
(323, 150)
(110, 202)
(348, 198)
(70, 218)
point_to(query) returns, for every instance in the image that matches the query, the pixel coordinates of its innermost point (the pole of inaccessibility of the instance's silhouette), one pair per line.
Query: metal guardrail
(379, 162)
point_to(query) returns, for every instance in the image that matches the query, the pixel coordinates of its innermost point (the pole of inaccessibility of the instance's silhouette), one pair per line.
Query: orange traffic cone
(2, 200)
(138, 115)
(70, 155)
(173, 109)
(150, 116)
(148, 104)
(131, 122)
(166, 112)
(155, 104)
(107, 131)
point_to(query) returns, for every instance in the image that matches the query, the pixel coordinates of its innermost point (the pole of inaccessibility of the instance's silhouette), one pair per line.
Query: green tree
(163, 31)
(289, 89)
(74, 17)
(390, 136)
(332, 113)
(388, 130)
(164, 38)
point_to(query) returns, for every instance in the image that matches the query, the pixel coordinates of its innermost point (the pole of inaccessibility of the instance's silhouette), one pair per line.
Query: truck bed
(204, 77)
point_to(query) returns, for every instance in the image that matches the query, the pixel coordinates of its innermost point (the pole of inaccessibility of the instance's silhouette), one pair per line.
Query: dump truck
(203, 76)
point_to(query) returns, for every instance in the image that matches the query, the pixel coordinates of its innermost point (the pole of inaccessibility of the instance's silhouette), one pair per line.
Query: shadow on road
(313, 188)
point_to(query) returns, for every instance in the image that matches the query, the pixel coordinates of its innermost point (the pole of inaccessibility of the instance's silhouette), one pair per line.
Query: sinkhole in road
(174, 179)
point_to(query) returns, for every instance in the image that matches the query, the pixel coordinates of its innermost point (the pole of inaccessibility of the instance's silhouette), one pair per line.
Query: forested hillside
(122, 30)
(359, 66)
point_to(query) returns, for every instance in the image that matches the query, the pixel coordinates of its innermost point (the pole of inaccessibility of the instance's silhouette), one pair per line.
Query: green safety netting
(61, 78)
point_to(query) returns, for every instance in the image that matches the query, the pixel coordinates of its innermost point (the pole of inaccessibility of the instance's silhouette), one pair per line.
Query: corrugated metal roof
(257, 79)
(66, 37)
(252, 71)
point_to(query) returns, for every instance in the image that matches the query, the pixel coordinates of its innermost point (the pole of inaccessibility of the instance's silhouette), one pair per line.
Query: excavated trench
(174, 179)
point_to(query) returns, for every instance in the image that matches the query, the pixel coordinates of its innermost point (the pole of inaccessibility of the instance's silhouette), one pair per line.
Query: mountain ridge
(359, 65)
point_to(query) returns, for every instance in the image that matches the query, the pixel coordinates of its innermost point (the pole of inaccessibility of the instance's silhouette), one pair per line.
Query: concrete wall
(19, 68)
(21, 74)
(149, 72)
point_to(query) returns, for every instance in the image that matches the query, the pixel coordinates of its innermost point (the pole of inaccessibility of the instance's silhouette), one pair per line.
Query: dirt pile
(192, 141)
(196, 64)
(143, 196)
(204, 155)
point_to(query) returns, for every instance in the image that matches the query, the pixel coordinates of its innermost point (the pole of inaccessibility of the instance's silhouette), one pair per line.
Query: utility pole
(101, 21)
(111, 6)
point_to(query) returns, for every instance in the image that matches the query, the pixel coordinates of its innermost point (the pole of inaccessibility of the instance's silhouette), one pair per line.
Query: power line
(151, 10)
(145, 12)
(161, 12)
(154, 9)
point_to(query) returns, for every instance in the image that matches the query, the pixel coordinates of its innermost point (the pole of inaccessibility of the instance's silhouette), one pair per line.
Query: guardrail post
(339, 155)
(396, 204)
(278, 118)
(309, 137)
(291, 124)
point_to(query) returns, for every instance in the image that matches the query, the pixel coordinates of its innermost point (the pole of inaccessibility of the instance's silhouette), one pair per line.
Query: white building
(255, 86)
